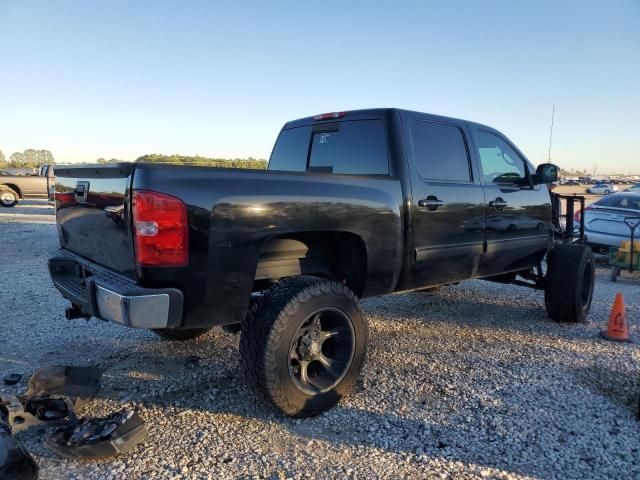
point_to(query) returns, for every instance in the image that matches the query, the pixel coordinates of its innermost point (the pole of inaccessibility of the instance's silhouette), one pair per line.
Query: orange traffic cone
(617, 329)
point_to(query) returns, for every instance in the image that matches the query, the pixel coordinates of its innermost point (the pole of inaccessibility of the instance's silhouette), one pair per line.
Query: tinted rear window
(290, 150)
(355, 147)
(440, 152)
(620, 201)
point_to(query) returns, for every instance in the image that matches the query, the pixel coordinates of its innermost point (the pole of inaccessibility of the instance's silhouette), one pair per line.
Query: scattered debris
(99, 437)
(12, 378)
(50, 401)
(73, 382)
(15, 462)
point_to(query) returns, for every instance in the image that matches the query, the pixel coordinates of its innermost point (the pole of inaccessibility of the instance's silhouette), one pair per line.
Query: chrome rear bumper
(98, 292)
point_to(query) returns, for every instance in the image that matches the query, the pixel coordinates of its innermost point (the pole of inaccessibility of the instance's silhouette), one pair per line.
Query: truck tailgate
(92, 213)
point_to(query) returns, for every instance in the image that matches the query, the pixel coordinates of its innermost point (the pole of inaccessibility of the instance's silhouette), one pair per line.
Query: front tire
(303, 344)
(8, 197)
(173, 334)
(569, 282)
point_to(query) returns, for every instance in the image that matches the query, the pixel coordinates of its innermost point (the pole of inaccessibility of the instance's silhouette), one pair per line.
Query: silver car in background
(602, 189)
(604, 220)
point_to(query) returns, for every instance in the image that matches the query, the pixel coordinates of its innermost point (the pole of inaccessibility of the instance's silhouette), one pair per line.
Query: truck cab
(471, 205)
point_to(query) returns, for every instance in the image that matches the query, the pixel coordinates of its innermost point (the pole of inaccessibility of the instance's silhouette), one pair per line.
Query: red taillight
(327, 116)
(160, 229)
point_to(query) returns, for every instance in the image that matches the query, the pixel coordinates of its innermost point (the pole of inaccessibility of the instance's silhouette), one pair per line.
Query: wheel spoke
(328, 364)
(304, 374)
(327, 334)
(315, 323)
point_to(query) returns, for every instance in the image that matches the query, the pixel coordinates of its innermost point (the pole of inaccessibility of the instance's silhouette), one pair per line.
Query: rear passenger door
(448, 203)
(518, 222)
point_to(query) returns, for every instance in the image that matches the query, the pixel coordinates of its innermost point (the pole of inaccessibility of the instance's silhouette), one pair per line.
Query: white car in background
(633, 188)
(604, 220)
(602, 189)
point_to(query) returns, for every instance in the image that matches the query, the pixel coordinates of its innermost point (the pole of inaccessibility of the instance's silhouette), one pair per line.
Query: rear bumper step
(97, 292)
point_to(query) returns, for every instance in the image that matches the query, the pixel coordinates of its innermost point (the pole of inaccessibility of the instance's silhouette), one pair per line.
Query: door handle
(432, 203)
(498, 203)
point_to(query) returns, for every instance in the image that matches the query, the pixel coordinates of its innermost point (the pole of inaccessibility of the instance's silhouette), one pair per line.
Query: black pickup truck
(353, 204)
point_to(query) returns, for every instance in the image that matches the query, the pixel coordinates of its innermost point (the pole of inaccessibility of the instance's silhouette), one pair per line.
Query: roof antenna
(553, 113)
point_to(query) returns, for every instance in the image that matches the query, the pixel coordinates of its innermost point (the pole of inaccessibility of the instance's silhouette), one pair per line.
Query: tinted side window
(500, 163)
(355, 147)
(291, 149)
(440, 152)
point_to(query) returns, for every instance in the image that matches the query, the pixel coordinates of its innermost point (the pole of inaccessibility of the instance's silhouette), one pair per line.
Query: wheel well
(340, 256)
(13, 187)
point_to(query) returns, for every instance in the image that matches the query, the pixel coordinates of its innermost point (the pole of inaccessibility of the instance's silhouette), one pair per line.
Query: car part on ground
(569, 282)
(303, 344)
(64, 380)
(16, 463)
(12, 378)
(50, 402)
(118, 433)
(23, 413)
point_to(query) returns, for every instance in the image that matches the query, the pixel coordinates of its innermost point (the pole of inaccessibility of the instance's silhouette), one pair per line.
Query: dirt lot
(577, 190)
(471, 381)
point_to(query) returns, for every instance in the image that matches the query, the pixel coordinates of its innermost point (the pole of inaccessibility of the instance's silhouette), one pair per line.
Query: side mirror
(546, 173)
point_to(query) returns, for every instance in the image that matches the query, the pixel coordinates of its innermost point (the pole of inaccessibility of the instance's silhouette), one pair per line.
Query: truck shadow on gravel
(522, 314)
(620, 385)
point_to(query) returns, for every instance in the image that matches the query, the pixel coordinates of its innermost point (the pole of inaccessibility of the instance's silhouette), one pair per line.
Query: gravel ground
(473, 381)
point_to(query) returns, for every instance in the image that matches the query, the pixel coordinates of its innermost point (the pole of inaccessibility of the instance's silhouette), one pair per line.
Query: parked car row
(590, 181)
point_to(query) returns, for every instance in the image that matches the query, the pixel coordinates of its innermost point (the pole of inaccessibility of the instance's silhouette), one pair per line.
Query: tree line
(32, 158)
(198, 160)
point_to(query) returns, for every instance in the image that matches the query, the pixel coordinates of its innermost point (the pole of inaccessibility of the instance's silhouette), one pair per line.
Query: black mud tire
(270, 328)
(569, 282)
(173, 334)
(8, 197)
